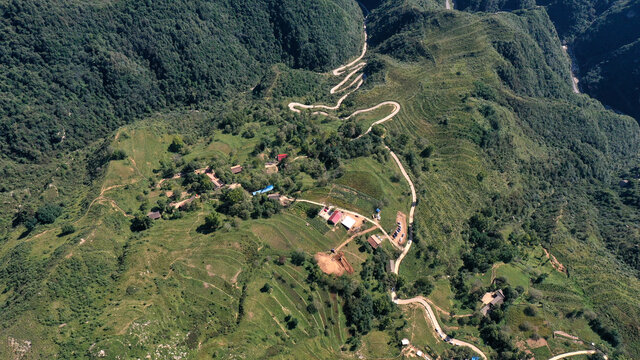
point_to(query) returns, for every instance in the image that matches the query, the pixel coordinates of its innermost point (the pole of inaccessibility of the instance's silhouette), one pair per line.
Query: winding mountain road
(575, 353)
(353, 70)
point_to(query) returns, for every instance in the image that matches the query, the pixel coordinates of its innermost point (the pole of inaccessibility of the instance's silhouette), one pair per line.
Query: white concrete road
(353, 68)
(575, 353)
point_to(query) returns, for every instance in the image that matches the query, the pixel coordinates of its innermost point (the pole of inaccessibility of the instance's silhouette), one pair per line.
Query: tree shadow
(204, 229)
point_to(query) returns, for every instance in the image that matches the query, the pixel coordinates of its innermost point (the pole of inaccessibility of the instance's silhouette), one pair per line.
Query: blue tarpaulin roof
(265, 190)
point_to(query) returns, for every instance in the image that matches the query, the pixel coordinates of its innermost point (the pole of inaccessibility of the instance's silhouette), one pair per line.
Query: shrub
(530, 310)
(525, 326)
(298, 258)
(311, 308)
(118, 155)
(48, 213)
(427, 151)
(67, 229)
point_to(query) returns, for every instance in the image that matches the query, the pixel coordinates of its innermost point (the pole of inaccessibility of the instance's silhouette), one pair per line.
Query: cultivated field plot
(366, 185)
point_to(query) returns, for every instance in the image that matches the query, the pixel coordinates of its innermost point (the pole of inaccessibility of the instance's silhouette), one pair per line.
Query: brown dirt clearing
(328, 265)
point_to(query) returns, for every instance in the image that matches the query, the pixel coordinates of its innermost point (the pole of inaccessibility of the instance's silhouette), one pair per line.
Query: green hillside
(72, 71)
(518, 184)
(603, 36)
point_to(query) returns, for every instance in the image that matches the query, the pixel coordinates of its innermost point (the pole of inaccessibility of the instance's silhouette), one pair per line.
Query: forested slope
(604, 36)
(73, 71)
(607, 53)
(560, 154)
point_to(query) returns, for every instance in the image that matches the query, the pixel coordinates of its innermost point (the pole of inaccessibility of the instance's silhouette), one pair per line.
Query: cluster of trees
(46, 214)
(367, 303)
(237, 202)
(487, 245)
(492, 332)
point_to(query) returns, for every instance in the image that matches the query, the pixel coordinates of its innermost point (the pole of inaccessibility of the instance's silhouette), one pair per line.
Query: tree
(67, 229)
(597, 356)
(298, 258)
(423, 286)
(292, 323)
(140, 222)
(233, 197)
(212, 222)
(177, 145)
(378, 130)
(31, 223)
(47, 214)
(530, 311)
(266, 288)
(201, 184)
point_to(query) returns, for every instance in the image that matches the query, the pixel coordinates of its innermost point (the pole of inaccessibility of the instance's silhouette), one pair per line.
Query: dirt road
(349, 212)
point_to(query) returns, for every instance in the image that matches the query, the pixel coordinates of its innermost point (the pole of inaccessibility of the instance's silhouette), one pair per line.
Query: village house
(374, 241)
(154, 215)
(335, 217)
(281, 157)
(236, 169)
(492, 301)
(348, 222)
(324, 213)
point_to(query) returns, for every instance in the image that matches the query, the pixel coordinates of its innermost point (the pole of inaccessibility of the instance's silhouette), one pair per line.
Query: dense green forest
(604, 37)
(607, 54)
(74, 71)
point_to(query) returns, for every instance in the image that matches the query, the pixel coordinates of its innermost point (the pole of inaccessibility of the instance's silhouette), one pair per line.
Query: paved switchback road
(352, 69)
(575, 353)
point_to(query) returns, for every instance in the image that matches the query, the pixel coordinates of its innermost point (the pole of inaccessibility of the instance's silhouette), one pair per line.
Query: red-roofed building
(281, 157)
(335, 217)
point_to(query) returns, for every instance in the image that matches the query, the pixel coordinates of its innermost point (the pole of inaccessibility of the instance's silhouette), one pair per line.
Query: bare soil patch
(328, 265)
(554, 262)
(534, 344)
(271, 168)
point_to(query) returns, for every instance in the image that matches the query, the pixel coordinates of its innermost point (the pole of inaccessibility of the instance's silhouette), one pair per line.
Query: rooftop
(348, 222)
(236, 169)
(335, 217)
